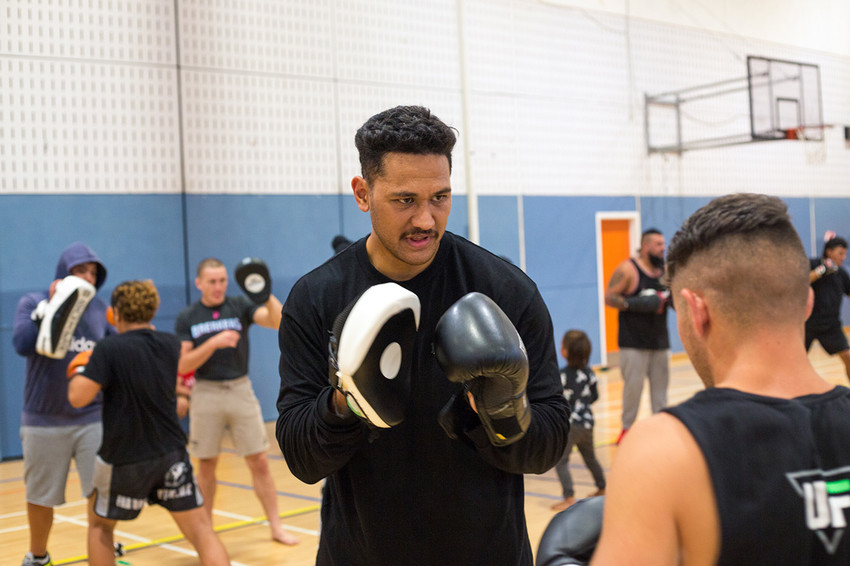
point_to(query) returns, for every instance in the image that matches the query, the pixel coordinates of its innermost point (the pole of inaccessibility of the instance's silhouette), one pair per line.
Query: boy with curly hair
(143, 458)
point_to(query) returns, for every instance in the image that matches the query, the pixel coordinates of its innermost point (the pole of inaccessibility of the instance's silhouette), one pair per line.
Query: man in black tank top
(636, 290)
(756, 468)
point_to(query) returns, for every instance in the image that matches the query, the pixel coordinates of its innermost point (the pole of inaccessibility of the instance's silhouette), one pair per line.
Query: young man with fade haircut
(830, 283)
(424, 445)
(214, 336)
(756, 468)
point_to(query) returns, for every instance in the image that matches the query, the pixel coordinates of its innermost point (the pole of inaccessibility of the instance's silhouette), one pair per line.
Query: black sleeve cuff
(328, 414)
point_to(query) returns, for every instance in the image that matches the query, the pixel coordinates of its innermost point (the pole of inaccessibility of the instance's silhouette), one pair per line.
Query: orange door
(615, 249)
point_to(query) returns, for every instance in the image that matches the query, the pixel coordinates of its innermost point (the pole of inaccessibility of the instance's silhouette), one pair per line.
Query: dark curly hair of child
(135, 301)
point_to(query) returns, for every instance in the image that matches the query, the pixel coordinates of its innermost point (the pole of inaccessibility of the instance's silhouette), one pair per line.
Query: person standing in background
(580, 390)
(52, 431)
(214, 335)
(636, 290)
(830, 283)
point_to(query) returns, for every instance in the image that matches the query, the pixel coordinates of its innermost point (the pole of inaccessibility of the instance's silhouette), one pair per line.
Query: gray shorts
(221, 406)
(48, 451)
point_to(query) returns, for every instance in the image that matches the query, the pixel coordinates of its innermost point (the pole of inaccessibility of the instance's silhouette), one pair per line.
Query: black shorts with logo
(122, 491)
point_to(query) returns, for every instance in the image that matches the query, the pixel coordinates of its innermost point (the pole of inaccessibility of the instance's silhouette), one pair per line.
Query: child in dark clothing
(580, 390)
(142, 458)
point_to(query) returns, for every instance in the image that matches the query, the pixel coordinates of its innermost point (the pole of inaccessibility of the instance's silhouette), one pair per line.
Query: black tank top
(781, 473)
(642, 330)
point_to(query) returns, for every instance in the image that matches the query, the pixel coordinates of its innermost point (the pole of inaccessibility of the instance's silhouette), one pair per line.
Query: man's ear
(361, 193)
(697, 311)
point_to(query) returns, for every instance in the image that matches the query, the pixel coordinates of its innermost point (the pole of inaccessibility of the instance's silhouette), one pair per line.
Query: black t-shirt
(781, 473)
(138, 373)
(197, 323)
(409, 494)
(643, 330)
(829, 290)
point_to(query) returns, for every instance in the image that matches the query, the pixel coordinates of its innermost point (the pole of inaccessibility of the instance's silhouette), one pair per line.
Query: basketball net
(814, 142)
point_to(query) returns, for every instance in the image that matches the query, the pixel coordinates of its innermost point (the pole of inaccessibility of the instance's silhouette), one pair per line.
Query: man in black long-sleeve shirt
(830, 283)
(409, 494)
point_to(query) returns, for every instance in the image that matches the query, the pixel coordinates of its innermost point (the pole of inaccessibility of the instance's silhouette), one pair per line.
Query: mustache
(414, 233)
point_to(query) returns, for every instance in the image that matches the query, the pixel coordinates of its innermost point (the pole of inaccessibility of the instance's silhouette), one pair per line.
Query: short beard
(656, 262)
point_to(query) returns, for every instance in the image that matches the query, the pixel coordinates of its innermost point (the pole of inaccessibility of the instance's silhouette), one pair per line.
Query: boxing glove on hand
(252, 275)
(457, 416)
(58, 317)
(78, 364)
(648, 301)
(371, 350)
(826, 267)
(477, 346)
(572, 535)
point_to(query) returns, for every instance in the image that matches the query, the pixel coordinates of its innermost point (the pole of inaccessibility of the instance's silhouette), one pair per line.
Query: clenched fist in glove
(826, 267)
(477, 346)
(648, 301)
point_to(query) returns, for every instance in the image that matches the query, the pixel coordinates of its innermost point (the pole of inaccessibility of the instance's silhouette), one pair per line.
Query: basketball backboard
(775, 100)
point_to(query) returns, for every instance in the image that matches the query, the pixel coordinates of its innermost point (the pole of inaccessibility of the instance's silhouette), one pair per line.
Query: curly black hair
(403, 129)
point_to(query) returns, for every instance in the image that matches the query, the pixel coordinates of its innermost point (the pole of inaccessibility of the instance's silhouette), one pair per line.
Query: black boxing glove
(647, 301)
(572, 535)
(477, 346)
(826, 267)
(253, 277)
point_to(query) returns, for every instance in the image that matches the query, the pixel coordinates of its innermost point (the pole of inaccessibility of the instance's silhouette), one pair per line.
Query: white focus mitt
(371, 350)
(58, 317)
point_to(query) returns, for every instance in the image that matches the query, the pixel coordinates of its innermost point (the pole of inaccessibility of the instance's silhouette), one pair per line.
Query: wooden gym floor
(153, 539)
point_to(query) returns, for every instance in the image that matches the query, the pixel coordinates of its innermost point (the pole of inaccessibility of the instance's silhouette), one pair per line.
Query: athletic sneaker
(30, 560)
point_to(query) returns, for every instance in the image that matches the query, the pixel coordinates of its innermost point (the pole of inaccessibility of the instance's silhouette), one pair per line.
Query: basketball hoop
(811, 133)
(814, 142)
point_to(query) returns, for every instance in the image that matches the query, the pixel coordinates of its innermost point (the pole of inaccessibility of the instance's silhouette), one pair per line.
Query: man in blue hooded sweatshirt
(53, 432)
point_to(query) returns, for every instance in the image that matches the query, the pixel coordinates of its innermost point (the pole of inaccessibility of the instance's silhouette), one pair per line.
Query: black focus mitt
(253, 277)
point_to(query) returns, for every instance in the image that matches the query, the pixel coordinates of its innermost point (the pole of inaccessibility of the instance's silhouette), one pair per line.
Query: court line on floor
(25, 526)
(165, 541)
(143, 542)
(239, 516)
(279, 493)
